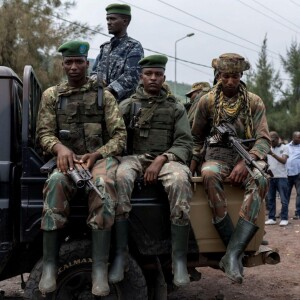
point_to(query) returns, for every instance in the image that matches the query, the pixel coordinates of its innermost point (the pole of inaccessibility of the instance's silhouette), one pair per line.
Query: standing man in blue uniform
(118, 60)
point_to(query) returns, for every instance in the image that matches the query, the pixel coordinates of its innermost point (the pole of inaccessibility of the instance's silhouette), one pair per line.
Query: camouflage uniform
(121, 55)
(192, 109)
(230, 102)
(220, 161)
(197, 91)
(174, 175)
(86, 136)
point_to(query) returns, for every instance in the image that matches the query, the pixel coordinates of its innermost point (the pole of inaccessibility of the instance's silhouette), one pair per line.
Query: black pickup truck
(21, 184)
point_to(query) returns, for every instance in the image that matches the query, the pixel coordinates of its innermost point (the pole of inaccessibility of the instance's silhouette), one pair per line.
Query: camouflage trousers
(59, 190)
(174, 176)
(214, 173)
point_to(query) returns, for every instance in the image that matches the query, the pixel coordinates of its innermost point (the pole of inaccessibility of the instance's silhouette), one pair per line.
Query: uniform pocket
(93, 136)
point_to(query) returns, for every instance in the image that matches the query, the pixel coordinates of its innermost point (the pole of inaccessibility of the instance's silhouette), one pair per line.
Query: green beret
(122, 9)
(198, 86)
(74, 48)
(230, 63)
(154, 61)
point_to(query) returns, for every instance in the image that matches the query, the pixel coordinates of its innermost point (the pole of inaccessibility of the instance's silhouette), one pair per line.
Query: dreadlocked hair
(229, 112)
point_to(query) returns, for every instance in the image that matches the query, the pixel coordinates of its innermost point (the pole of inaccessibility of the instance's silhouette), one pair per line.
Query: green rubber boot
(100, 253)
(180, 238)
(241, 237)
(120, 263)
(225, 229)
(50, 258)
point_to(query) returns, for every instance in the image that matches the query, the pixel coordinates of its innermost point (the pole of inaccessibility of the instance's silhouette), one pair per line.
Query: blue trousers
(281, 185)
(295, 181)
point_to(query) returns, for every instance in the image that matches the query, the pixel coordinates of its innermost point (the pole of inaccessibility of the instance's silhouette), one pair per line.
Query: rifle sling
(147, 115)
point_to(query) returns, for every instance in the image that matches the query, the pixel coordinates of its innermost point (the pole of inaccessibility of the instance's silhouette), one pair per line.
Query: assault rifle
(80, 175)
(135, 114)
(228, 137)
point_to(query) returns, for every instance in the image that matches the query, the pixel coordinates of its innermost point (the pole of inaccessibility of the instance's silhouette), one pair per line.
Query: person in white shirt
(293, 170)
(277, 159)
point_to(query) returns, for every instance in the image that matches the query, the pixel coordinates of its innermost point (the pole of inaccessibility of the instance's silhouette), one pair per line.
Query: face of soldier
(193, 96)
(230, 83)
(152, 79)
(116, 24)
(75, 68)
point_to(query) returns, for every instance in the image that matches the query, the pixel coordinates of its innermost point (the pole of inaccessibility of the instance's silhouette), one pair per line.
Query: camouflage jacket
(193, 106)
(121, 55)
(203, 124)
(47, 134)
(181, 148)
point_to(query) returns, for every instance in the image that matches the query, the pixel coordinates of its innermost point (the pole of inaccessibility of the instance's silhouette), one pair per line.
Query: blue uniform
(118, 64)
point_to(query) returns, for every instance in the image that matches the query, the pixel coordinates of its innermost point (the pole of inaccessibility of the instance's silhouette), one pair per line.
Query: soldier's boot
(225, 230)
(242, 235)
(180, 237)
(120, 263)
(100, 253)
(47, 283)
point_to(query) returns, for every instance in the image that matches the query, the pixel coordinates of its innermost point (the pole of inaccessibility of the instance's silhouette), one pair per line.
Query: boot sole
(106, 293)
(221, 265)
(116, 280)
(47, 291)
(182, 283)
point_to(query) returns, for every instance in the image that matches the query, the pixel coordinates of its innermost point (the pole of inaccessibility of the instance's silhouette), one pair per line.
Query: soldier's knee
(208, 173)
(181, 180)
(262, 181)
(57, 177)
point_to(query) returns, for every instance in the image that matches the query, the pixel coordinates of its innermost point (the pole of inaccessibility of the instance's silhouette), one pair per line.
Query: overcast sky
(219, 26)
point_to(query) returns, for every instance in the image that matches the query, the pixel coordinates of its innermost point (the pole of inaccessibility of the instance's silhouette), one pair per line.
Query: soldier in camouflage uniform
(229, 101)
(161, 147)
(118, 59)
(197, 91)
(70, 126)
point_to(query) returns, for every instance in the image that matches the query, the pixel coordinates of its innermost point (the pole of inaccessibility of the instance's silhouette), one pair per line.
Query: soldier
(72, 107)
(198, 90)
(161, 147)
(118, 59)
(229, 101)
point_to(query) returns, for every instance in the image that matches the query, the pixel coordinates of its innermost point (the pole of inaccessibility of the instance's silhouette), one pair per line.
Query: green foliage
(291, 65)
(31, 31)
(264, 81)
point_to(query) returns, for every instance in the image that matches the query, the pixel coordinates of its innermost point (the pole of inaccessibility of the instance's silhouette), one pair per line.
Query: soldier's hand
(89, 159)
(153, 170)
(239, 173)
(193, 166)
(93, 77)
(65, 158)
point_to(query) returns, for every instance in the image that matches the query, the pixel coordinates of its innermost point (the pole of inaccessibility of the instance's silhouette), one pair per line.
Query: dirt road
(267, 282)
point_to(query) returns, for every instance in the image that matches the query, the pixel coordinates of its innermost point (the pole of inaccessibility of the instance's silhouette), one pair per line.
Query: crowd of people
(284, 163)
(123, 122)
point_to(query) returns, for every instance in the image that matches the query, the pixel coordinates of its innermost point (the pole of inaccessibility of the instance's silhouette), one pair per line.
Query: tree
(291, 65)
(264, 81)
(31, 31)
